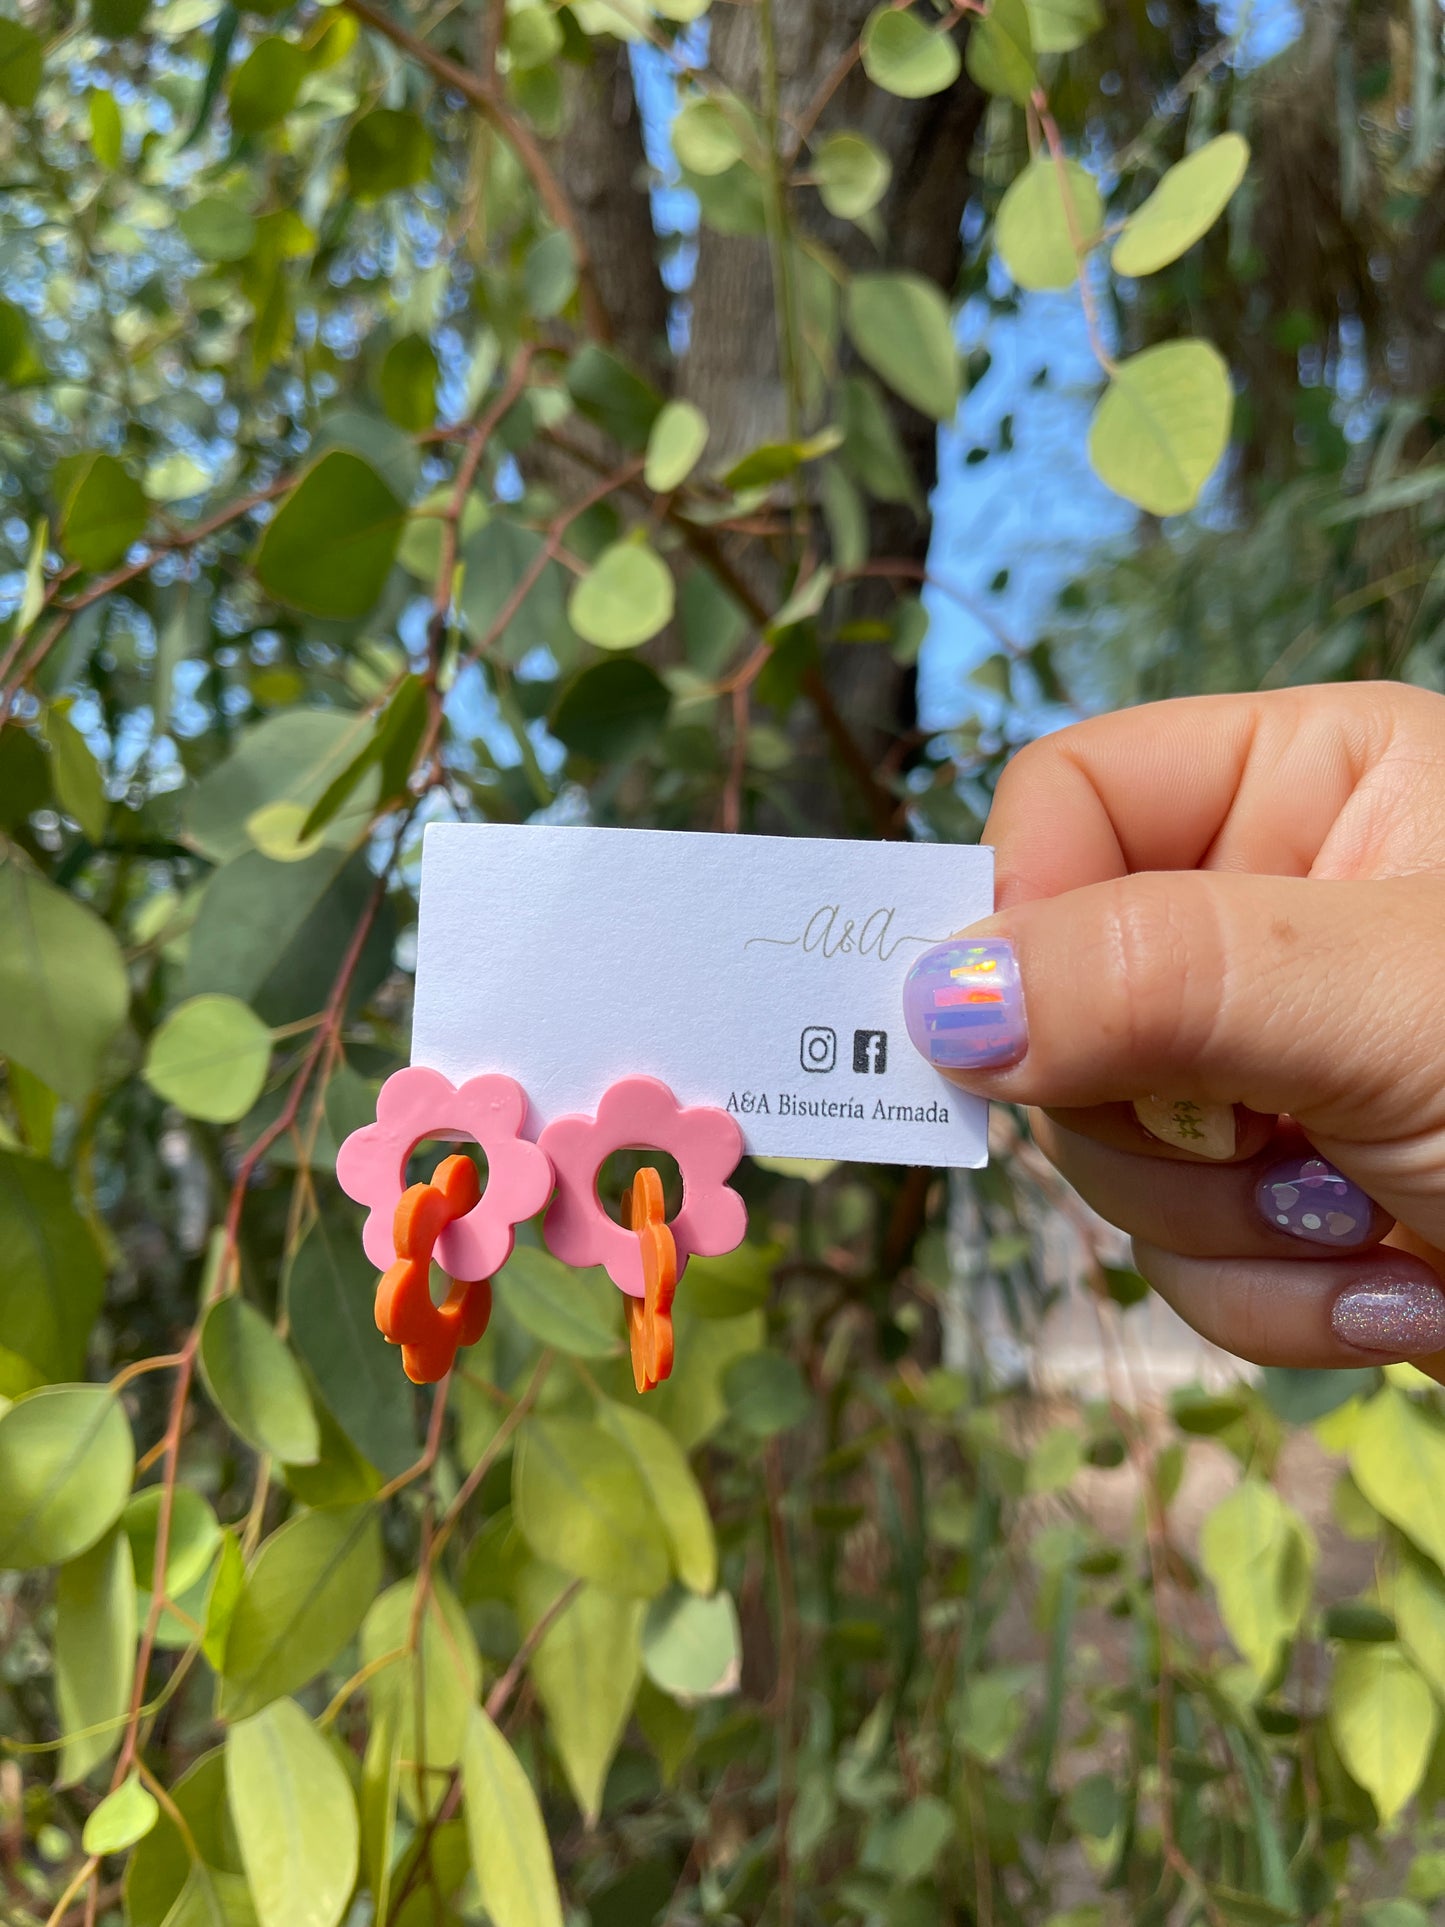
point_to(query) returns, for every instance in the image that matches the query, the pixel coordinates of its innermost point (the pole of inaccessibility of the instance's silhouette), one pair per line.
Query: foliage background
(395, 428)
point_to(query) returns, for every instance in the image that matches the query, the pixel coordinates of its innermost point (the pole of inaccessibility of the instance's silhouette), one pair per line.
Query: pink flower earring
(416, 1104)
(636, 1112)
(474, 1236)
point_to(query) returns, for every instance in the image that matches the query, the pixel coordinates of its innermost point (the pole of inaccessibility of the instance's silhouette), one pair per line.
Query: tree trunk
(732, 367)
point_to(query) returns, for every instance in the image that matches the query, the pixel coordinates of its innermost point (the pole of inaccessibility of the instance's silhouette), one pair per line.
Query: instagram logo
(818, 1050)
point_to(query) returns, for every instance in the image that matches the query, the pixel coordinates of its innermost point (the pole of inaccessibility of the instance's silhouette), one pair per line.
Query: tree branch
(519, 137)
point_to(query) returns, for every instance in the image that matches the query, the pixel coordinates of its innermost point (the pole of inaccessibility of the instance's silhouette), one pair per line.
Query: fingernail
(1206, 1129)
(1403, 1316)
(1308, 1198)
(964, 1005)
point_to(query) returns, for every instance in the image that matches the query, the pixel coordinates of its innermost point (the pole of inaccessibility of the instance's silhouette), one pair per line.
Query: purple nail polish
(964, 1005)
(1308, 1198)
(1404, 1317)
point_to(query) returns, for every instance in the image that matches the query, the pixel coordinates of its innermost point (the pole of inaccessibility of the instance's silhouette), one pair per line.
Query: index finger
(1248, 783)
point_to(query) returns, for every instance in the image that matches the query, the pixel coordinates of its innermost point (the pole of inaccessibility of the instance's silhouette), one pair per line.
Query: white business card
(763, 975)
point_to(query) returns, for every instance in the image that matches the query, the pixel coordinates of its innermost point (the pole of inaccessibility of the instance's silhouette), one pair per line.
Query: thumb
(1317, 998)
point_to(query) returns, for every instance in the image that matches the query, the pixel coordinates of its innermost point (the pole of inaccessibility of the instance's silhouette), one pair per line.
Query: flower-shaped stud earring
(640, 1112)
(431, 1335)
(417, 1103)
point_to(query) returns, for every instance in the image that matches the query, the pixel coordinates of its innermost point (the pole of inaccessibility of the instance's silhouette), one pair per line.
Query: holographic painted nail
(1404, 1317)
(1206, 1129)
(964, 1005)
(1308, 1198)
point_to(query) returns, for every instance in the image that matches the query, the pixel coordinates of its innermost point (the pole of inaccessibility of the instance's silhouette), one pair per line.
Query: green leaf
(95, 1636)
(51, 1275)
(1419, 1606)
(330, 1289)
(228, 1582)
(1163, 425)
(75, 774)
(625, 598)
(803, 603)
(21, 64)
(121, 1819)
(391, 750)
(304, 1598)
(510, 1853)
(586, 1669)
(117, 19)
(1033, 234)
(380, 1785)
(218, 229)
(1397, 1459)
(295, 1818)
(445, 1659)
(1260, 1555)
(872, 450)
(387, 151)
(675, 1491)
(264, 87)
(294, 757)
(408, 383)
(330, 549)
(190, 1544)
(1058, 26)
(107, 134)
(549, 274)
(20, 365)
(851, 173)
(578, 1312)
(1187, 202)
(66, 1459)
(706, 138)
(904, 56)
(256, 1384)
(1383, 1718)
(494, 560)
(766, 1393)
(613, 396)
(674, 446)
(611, 711)
(581, 1503)
(900, 325)
(907, 1844)
(160, 1868)
(274, 934)
(209, 1058)
(738, 1282)
(104, 512)
(692, 1648)
(1000, 55)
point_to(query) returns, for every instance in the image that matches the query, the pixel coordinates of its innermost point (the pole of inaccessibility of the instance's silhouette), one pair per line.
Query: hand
(1233, 906)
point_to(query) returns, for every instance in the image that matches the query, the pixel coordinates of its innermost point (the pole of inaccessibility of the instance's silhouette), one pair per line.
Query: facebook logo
(870, 1051)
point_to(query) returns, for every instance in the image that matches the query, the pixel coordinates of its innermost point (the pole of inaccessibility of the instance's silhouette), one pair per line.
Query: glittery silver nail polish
(1400, 1317)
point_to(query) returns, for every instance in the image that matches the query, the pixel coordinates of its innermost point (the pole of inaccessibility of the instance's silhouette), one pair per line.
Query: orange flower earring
(649, 1318)
(431, 1335)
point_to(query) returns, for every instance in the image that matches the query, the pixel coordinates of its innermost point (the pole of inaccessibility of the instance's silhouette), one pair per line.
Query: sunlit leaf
(295, 1817)
(900, 325)
(1163, 425)
(1187, 202)
(1036, 229)
(1384, 1719)
(510, 1852)
(95, 1637)
(209, 1058)
(66, 1459)
(256, 1383)
(905, 56)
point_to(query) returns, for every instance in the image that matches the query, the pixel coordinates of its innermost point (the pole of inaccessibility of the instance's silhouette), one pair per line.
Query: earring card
(763, 975)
